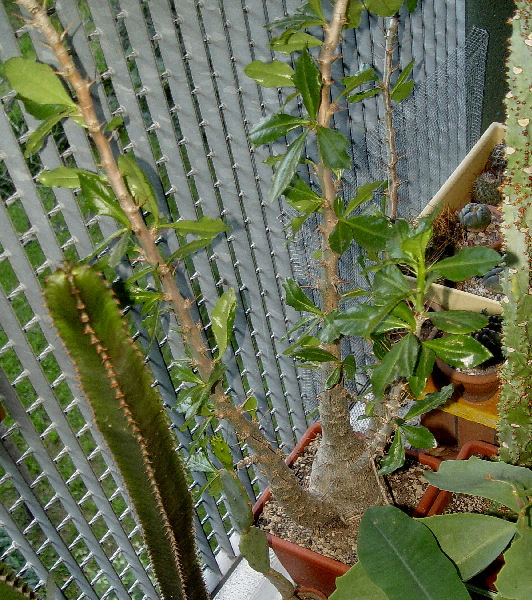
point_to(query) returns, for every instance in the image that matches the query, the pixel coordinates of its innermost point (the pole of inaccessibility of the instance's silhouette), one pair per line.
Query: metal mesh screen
(173, 70)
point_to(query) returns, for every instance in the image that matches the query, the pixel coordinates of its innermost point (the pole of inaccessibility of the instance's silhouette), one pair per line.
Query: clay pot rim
(466, 378)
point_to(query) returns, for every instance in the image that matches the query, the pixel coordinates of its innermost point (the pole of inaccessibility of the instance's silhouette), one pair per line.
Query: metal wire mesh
(174, 71)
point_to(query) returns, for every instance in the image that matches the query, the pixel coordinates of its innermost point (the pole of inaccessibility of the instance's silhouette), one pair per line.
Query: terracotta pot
(308, 568)
(472, 388)
(486, 579)
(304, 593)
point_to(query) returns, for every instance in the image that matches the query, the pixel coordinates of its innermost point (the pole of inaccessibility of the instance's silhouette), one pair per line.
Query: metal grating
(173, 69)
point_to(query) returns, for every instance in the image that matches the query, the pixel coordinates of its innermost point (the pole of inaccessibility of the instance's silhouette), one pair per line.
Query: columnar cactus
(129, 413)
(515, 407)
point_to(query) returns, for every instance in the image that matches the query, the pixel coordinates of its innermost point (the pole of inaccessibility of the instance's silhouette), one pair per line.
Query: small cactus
(486, 189)
(475, 217)
(491, 337)
(492, 280)
(497, 160)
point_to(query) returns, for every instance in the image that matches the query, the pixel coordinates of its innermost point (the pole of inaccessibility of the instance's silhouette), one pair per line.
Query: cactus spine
(129, 413)
(515, 407)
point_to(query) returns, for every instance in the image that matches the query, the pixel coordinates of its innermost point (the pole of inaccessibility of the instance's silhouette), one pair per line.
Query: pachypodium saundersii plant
(343, 482)
(515, 406)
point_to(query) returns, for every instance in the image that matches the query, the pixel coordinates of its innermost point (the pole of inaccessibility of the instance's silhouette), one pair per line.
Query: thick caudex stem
(515, 406)
(129, 413)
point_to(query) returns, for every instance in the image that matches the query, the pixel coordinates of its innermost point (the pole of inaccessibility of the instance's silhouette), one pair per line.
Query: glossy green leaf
(350, 366)
(384, 8)
(398, 362)
(404, 73)
(515, 579)
(204, 228)
(401, 556)
(353, 81)
(356, 293)
(307, 80)
(114, 124)
(333, 378)
(190, 248)
(424, 367)
(359, 96)
(418, 436)
(395, 458)
(371, 231)
(471, 541)
(43, 111)
(273, 74)
(329, 332)
(361, 319)
(237, 499)
(253, 546)
(65, 177)
(296, 298)
(286, 168)
(414, 246)
(200, 462)
(458, 321)
(313, 354)
(430, 401)
(36, 82)
(101, 198)
(185, 373)
(354, 14)
(315, 5)
(411, 5)
(390, 283)
(356, 585)
(341, 237)
(403, 91)
(467, 263)
(302, 18)
(391, 323)
(222, 319)
(332, 146)
(138, 184)
(364, 194)
(36, 139)
(119, 250)
(222, 451)
(459, 350)
(271, 128)
(292, 42)
(496, 481)
(404, 312)
(301, 197)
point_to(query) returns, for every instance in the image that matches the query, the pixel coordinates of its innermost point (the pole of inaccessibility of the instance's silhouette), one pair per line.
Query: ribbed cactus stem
(515, 407)
(129, 413)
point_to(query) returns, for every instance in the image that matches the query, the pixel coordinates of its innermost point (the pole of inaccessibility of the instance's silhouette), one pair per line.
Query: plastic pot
(472, 388)
(308, 568)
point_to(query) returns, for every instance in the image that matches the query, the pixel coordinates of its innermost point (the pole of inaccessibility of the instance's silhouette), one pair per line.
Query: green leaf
(222, 451)
(273, 74)
(356, 585)
(359, 96)
(404, 74)
(354, 14)
(391, 323)
(356, 293)
(404, 312)
(496, 481)
(350, 366)
(36, 82)
(287, 167)
(371, 231)
(398, 362)
(36, 140)
(364, 193)
(313, 354)
(205, 227)
(458, 321)
(296, 298)
(419, 436)
(333, 378)
(414, 246)
(401, 92)
(114, 123)
(200, 462)
(329, 332)
(395, 458)
(119, 250)
(101, 198)
(401, 556)
(430, 401)
(222, 319)
(332, 147)
(361, 319)
(423, 369)
(307, 80)
(292, 42)
(302, 198)
(138, 184)
(253, 546)
(515, 579)
(341, 237)
(411, 5)
(65, 177)
(315, 5)
(384, 8)
(390, 283)
(43, 111)
(185, 373)
(353, 81)
(273, 127)
(189, 248)
(471, 541)
(467, 263)
(459, 350)
(237, 500)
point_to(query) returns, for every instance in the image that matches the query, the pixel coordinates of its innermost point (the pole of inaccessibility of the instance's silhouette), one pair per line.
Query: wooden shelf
(484, 412)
